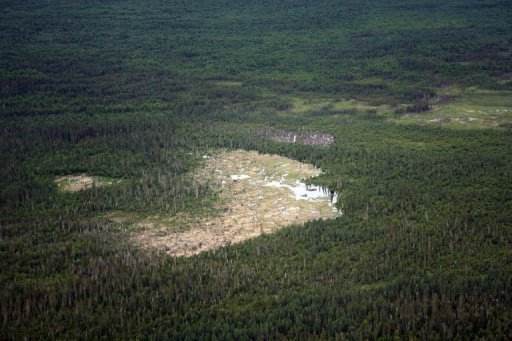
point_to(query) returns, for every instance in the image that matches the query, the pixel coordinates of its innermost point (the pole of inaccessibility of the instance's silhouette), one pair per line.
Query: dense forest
(139, 91)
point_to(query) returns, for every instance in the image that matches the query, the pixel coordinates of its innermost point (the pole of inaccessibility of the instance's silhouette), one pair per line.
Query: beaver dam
(259, 193)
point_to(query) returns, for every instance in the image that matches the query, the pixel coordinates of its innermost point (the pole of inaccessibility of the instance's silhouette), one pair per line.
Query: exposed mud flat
(75, 183)
(259, 193)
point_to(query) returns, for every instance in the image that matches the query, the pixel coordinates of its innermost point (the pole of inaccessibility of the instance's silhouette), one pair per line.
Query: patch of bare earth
(75, 183)
(259, 193)
(304, 137)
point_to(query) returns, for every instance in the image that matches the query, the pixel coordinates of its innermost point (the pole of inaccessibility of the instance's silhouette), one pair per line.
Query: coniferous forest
(417, 96)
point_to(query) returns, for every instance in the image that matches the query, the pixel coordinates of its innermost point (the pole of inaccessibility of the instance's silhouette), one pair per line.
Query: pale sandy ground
(257, 196)
(75, 183)
(80, 182)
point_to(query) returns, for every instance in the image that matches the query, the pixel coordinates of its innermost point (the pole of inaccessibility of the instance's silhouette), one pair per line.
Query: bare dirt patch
(75, 183)
(305, 137)
(259, 193)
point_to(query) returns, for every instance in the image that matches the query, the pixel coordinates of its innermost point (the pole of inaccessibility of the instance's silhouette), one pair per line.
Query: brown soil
(248, 207)
(75, 183)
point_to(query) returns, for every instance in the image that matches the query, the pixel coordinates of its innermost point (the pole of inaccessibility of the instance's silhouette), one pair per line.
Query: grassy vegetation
(139, 91)
(467, 108)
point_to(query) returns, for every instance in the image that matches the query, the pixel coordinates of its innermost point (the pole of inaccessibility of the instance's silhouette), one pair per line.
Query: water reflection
(303, 191)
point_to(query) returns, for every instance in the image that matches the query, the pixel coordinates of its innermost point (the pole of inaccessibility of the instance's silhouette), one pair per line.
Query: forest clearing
(75, 183)
(471, 108)
(259, 193)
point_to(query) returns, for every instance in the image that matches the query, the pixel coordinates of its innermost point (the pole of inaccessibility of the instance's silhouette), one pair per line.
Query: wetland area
(259, 193)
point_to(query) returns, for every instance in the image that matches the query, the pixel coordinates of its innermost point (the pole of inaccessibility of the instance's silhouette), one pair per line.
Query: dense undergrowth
(423, 249)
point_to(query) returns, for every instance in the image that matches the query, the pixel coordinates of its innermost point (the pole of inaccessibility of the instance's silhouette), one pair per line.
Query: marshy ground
(470, 108)
(259, 193)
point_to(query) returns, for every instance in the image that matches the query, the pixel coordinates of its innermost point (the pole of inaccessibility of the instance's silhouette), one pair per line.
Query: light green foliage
(470, 108)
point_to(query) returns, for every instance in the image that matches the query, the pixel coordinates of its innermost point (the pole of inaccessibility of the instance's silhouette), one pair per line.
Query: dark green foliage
(139, 91)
